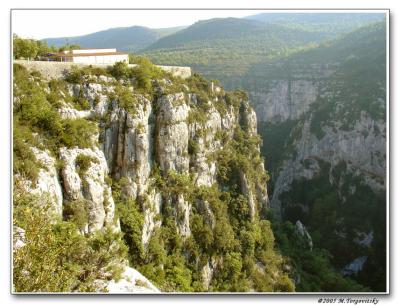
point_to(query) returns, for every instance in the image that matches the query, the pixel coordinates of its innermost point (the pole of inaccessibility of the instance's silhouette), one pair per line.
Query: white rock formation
(73, 114)
(301, 229)
(132, 281)
(154, 200)
(173, 133)
(247, 190)
(91, 186)
(48, 183)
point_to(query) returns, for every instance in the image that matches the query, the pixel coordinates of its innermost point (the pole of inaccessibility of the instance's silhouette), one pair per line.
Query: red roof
(89, 54)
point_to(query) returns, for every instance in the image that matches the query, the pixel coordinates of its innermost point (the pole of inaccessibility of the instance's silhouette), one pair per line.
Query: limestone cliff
(172, 164)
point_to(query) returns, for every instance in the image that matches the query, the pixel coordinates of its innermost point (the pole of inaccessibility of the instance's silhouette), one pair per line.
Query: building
(90, 56)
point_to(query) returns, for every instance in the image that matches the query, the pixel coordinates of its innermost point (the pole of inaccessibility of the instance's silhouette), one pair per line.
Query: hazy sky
(40, 24)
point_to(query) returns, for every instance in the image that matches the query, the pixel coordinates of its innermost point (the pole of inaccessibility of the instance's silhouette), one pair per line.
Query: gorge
(157, 183)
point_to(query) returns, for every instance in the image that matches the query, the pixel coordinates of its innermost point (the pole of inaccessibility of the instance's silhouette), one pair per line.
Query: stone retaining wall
(55, 69)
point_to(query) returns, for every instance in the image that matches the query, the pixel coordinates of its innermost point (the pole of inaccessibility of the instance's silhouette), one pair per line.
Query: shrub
(55, 257)
(144, 73)
(120, 70)
(126, 99)
(24, 160)
(77, 132)
(75, 75)
(77, 212)
(81, 103)
(131, 224)
(193, 147)
(82, 162)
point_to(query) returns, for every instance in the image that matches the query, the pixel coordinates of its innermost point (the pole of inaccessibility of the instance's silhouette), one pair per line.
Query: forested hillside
(334, 23)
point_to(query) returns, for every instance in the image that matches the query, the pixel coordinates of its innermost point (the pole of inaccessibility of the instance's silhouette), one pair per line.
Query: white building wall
(101, 59)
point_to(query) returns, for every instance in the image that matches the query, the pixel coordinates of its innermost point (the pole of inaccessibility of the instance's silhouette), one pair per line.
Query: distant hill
(234, 32)
(129, 39)
(230, 44)
(326, 22)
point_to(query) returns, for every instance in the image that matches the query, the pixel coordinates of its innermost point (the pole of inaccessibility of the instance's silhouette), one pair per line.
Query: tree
(24, 48)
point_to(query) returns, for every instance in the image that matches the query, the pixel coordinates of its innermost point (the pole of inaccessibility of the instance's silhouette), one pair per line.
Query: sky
(39, 24)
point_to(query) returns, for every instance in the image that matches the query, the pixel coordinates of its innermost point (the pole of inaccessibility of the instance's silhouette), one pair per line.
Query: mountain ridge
(137, 37)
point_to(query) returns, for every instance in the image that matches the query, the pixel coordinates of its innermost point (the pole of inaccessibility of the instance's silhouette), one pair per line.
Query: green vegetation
(131, 220)
(327, 22)
(77, 213)
(72, 262)
(323, 206)
(24, 160)
(229, 47)
(35, 49)
(83, 162)
(313, 269)
(36, 111)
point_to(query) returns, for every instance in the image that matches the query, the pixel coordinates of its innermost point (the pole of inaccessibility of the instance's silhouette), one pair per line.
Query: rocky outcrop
(132, 281)
(73, 114)
(247, 189)
(302, 231)
(203, 137)
(18, 238)
(127, 146)
(172, 136)
(207, 272)
(355, 266)
(151, 210)
(48, 183)
(88, 184)
(364, 239)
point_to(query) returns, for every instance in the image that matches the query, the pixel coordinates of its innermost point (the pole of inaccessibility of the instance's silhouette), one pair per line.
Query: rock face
(246, 189)
(284, 100)
(207, 273)
(361, 148)
(126, 146)
(172, 137)
(203, 169)
(89, 185)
